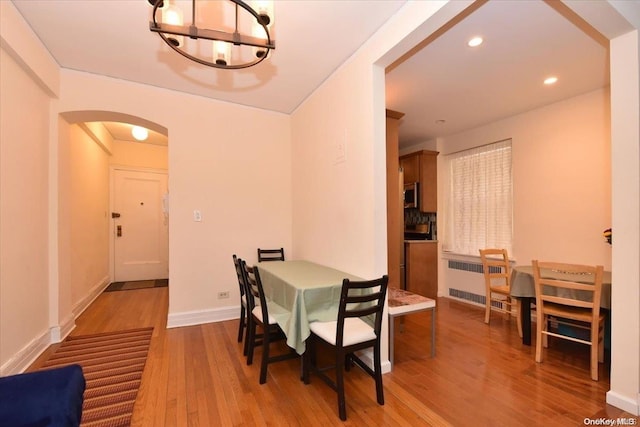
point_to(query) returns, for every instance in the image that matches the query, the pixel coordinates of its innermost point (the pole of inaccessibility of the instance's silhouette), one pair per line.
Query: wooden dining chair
(496, 268)
(574, 300)
(270, 254)
(260, 316)
(358, 327)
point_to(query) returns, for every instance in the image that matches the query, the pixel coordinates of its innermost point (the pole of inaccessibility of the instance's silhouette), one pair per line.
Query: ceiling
(525, 41)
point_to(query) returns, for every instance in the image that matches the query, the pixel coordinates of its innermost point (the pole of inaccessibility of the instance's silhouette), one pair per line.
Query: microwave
(411, 195)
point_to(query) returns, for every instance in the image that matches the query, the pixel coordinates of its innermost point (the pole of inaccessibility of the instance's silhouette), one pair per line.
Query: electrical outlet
(222, 295)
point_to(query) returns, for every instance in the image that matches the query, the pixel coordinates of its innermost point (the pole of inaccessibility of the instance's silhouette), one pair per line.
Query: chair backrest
(361, 299)
(255, 292)
(496, 267)
(568, 284)
(237, 262)
(270, 254)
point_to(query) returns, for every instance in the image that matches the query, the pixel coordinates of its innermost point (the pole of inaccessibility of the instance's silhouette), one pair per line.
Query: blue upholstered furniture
(51, 398)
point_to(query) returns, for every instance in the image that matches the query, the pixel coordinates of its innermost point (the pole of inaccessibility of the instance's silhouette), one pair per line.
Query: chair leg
(265, 354)
(308, 359)
(251, 340)
(342, 409)
(378, 374)
(245, 351)
(601, 343)
(242, 323)
(541, 322)
(487, 310)
(595, 350)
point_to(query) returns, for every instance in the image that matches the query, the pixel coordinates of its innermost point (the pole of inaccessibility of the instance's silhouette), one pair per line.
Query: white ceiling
(524, 42)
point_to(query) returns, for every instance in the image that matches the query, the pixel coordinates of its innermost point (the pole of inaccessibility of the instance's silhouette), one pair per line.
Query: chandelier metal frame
(234, 38)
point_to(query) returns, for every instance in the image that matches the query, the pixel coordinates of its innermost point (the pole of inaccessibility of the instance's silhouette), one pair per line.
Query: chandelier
(217, 48)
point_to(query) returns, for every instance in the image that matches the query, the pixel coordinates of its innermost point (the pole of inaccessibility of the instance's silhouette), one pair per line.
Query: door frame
(112, 242)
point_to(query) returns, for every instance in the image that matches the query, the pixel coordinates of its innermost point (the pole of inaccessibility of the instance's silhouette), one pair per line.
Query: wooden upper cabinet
(422, 167)
(411, 167)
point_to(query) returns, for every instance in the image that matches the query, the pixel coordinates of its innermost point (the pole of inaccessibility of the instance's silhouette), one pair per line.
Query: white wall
(139, 155)
(561, 184)
(231, 162)
(24, 241)
(625, 296)
(89, 215)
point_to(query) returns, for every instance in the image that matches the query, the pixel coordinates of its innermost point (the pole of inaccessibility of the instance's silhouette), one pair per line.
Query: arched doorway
(113, 202)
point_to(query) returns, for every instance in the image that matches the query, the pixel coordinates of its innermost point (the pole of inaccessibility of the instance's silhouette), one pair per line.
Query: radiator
(472, 267)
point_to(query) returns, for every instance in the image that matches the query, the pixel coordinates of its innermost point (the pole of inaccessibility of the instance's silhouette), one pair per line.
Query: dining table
(523, 288)
(303, 292)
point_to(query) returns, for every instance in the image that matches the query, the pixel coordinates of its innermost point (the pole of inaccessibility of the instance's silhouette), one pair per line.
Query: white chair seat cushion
(243, 298)
(355, 331)
(257, 311)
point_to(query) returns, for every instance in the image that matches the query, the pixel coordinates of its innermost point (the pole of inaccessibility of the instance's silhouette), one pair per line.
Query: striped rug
(112, 363)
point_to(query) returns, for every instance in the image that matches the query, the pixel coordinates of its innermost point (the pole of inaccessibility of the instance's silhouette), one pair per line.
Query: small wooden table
(403, 302)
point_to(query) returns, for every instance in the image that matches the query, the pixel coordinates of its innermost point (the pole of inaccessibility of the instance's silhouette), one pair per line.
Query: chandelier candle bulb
(258, 32)
(221, 52)
(172, 15)
(265, 11)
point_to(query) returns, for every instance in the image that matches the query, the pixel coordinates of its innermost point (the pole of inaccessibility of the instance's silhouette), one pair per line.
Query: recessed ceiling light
(550, 80)
(139, 133)
(476, 41)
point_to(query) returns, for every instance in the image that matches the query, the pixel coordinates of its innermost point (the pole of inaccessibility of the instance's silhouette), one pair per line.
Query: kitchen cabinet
(422, 167)
(422, 267)
(411, 168)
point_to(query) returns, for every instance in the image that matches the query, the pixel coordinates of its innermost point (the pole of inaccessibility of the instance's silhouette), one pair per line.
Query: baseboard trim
(623, 402)
(60, 332)
(198, 317)
(55, 334)
(94, 293)
(25, 357)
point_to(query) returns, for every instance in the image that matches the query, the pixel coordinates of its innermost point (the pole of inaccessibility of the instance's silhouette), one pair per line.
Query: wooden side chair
(574, 299)
(270, 254)
(360, 301)
(243, 298)
(260, 316)
(497, 279)
(244, 313)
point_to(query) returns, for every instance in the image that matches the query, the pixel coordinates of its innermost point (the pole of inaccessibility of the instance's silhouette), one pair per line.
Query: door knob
(115, 215)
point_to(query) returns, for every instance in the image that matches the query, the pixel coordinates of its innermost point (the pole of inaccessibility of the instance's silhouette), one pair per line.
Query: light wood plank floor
(481, 375)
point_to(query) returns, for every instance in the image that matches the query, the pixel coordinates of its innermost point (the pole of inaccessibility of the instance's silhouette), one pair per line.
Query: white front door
(140, 226)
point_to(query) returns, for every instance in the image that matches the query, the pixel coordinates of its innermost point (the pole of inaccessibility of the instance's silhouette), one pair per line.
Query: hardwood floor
(481, 375)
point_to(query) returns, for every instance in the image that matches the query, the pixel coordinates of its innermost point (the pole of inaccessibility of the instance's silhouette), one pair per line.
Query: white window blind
(478, 199)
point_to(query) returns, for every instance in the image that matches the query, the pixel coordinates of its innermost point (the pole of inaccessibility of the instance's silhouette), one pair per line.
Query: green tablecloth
(303, 292)
(522, 284)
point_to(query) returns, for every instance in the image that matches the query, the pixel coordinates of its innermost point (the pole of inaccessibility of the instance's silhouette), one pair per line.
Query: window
(478, 199)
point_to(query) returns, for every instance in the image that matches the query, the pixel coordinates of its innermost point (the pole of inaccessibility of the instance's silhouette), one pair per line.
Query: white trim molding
(624, 402)
(190, 318)
(94, 293)
(25, 357)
